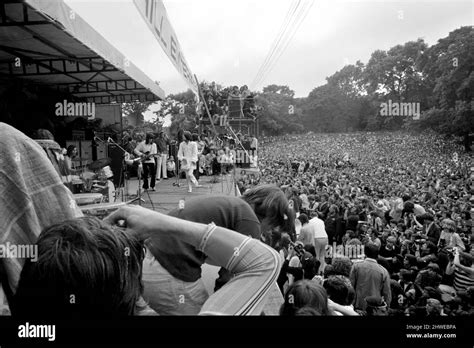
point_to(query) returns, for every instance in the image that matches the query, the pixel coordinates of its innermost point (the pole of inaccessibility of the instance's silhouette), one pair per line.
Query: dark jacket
(433, 232)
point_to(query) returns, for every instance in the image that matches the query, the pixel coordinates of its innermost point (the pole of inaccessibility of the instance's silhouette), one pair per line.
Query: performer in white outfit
(188, 155)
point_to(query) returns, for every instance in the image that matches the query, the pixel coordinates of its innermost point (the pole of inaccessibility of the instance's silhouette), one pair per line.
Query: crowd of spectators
(404, 200)
(371, 224)
(219, 100)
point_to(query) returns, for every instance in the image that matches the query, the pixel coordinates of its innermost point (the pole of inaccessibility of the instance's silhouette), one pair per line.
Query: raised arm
(257, 266)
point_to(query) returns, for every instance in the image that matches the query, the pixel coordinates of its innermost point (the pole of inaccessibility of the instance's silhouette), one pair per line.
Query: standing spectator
(369, 278)
(320, 240)
(306, 234)
(330, 224)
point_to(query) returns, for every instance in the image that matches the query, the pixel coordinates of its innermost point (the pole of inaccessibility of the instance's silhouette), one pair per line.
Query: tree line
(439, 79)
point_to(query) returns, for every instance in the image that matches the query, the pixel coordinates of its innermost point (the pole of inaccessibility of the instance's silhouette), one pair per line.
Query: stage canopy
(44, 42)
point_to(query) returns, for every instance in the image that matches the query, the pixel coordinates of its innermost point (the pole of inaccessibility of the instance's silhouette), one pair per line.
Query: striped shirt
(462, 280)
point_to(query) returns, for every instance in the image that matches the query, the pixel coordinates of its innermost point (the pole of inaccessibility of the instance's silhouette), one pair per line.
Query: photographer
(428, 253)
(299, 264)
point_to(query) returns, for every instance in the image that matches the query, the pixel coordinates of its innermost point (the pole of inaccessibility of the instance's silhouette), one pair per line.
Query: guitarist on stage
(147, 151)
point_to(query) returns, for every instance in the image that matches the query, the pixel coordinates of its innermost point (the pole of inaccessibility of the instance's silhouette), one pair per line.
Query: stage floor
(167, 196)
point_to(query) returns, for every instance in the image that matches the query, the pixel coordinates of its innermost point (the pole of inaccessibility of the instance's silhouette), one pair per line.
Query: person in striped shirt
(256, 265)
(461, 266)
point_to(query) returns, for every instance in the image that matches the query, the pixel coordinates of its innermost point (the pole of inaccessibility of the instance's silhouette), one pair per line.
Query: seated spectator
(449, 238)
(171, 167)
(428, 253)
(434, 308)
(410, 262)
(340, 294)
(376, 306)
(342, 266)
(305, 294)
(430, 229)
(389, 250)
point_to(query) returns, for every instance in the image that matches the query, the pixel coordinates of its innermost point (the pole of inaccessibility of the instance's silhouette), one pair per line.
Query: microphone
(109, 140)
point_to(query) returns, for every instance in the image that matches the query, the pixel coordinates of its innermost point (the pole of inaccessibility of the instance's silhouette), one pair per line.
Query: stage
(167, 197)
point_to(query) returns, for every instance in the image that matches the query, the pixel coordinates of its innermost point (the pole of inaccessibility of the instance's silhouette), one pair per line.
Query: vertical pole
(201, 95)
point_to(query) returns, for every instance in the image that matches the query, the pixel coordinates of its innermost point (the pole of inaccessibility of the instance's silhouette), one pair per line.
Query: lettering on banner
(154, 12)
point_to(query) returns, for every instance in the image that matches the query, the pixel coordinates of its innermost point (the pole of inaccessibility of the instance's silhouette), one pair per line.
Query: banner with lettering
(154, 13)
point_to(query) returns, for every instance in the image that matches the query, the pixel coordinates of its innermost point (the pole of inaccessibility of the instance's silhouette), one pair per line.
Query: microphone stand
(139, 174)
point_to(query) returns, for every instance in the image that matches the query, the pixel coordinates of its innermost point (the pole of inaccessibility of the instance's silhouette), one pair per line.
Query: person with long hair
(71, 153)
(305, 294)
(188, 155)
(96, 270)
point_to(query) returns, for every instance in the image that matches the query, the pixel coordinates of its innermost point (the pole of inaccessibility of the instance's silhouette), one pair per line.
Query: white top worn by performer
(188, 155)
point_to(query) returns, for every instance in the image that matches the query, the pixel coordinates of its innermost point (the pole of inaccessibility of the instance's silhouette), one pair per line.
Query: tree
(440, 78)
(328, 109)
(181, 107)
(282, 90)
(349, 80)
(279, 111)
(134, 112)
(448, 68)
(396, 75)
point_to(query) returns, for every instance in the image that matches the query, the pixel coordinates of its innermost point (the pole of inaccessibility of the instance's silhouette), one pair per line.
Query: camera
(442, 243)
(450, 252)
(297, 247)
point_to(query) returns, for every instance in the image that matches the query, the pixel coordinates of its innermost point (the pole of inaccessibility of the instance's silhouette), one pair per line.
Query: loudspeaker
(235, 107)
(116, 155)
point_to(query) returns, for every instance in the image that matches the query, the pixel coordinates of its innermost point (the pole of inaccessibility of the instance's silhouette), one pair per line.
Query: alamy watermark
(400, 109)
(21, 251)
(355, 251)
(238, 156)
(75, 109)
(37, 331)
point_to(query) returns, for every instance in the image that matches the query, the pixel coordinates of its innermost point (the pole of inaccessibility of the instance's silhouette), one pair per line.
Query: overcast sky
(227, 40)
